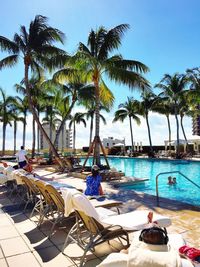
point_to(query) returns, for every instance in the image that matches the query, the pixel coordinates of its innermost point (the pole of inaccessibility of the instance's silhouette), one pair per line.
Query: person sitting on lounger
(152, 249)
(93, 183)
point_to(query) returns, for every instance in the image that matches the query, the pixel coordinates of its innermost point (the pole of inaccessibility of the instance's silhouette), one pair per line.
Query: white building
(64, 141)
(110, 142)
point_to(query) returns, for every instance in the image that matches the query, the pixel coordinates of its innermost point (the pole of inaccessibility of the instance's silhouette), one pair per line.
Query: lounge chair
(124, 260)
(93, 227)
(59, 205)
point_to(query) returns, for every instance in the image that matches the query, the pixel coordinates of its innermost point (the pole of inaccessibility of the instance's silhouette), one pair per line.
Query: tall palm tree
(146, 105)
(37, 49)
(163, 106)
(15, 110)
(6, 116)
(76, 119)
(173, 86)
(90, 115)
(96, 61)
(129, 109)
(22, 107)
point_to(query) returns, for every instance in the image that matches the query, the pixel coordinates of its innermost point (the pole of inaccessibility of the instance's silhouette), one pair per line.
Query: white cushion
(8, 170)
(136, 220)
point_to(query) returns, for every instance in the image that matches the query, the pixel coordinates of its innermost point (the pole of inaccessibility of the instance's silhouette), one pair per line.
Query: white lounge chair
(124, 260)
(99, 225)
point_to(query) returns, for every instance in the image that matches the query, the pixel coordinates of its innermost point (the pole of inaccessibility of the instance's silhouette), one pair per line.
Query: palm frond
(9, 61)
(118, 62)
(106, 96)
(112, 40)
(130, 78)
(8, 45)
(20, 43)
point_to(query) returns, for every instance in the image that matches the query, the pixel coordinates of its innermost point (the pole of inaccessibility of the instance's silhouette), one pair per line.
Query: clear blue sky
(164, 34)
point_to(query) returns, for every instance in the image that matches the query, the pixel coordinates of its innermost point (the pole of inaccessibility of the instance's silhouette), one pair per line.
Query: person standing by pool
(22, 158)
(93, 183)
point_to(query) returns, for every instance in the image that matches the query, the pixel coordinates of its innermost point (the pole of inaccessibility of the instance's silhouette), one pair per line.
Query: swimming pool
(183, 191)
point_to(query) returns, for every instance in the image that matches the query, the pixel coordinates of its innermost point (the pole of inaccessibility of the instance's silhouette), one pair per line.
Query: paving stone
(3, 263)
(14, 246)
(8, 232)
(27, 259)
(51, 257)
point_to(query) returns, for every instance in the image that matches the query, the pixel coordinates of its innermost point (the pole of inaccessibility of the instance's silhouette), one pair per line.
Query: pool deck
(22, 243)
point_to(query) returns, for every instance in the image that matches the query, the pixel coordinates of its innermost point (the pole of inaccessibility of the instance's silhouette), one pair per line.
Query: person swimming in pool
(170, 181)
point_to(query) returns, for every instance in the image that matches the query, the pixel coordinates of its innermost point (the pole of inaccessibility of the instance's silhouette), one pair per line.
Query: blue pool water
(183, 191)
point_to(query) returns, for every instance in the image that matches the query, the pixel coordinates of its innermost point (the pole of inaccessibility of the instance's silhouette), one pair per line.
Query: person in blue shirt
(93, 183)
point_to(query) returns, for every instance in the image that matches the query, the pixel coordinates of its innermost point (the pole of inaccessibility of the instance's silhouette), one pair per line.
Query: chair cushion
(136, 220)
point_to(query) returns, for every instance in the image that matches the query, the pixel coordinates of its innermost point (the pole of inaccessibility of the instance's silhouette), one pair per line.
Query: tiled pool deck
(23, 244)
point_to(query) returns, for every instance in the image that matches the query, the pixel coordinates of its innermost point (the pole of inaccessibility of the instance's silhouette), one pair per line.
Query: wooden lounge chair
(88, 233)
(59, 204)
(47, 206)
(93, 227)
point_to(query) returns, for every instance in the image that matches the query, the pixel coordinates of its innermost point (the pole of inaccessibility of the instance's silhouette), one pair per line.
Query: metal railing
(161, 173)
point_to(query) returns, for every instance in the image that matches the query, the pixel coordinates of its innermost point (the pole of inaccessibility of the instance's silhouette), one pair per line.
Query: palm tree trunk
(177, 133)
(33, 141)
(131, 134)
(91, 131)
(64, 120)
(38, 135)
(62, 139)
(24, 130)
(169, 129)
(96, 159)
(184, 134)
(15, 134)
(4, 139)
(31, 106)
(149, 133)
(74, 137)
(50, 136)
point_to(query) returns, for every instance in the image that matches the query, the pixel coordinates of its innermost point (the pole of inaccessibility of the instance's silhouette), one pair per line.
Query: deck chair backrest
(90, 223)
(56, 197)
(42, 189)
(30, 186)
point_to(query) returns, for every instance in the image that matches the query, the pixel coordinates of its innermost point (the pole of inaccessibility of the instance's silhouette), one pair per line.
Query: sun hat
(95, 167)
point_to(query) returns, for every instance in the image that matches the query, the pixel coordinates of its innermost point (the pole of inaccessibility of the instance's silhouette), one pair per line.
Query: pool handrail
(161, 173)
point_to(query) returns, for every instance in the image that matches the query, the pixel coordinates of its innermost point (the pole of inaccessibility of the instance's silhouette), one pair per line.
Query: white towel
(7, 171)
(75, 200)
(67, 196)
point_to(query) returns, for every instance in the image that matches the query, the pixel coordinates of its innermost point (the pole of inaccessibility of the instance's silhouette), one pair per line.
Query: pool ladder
(161, 173)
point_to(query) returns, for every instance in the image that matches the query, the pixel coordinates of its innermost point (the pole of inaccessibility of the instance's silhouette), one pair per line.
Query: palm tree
(129, 109)
(95, 62)
(6, 116)
(163, 106)
(22, 106)
(76, 119)
(173, 87)
(90, 115)
(37, 50)
(147, 104)
(15, 111)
